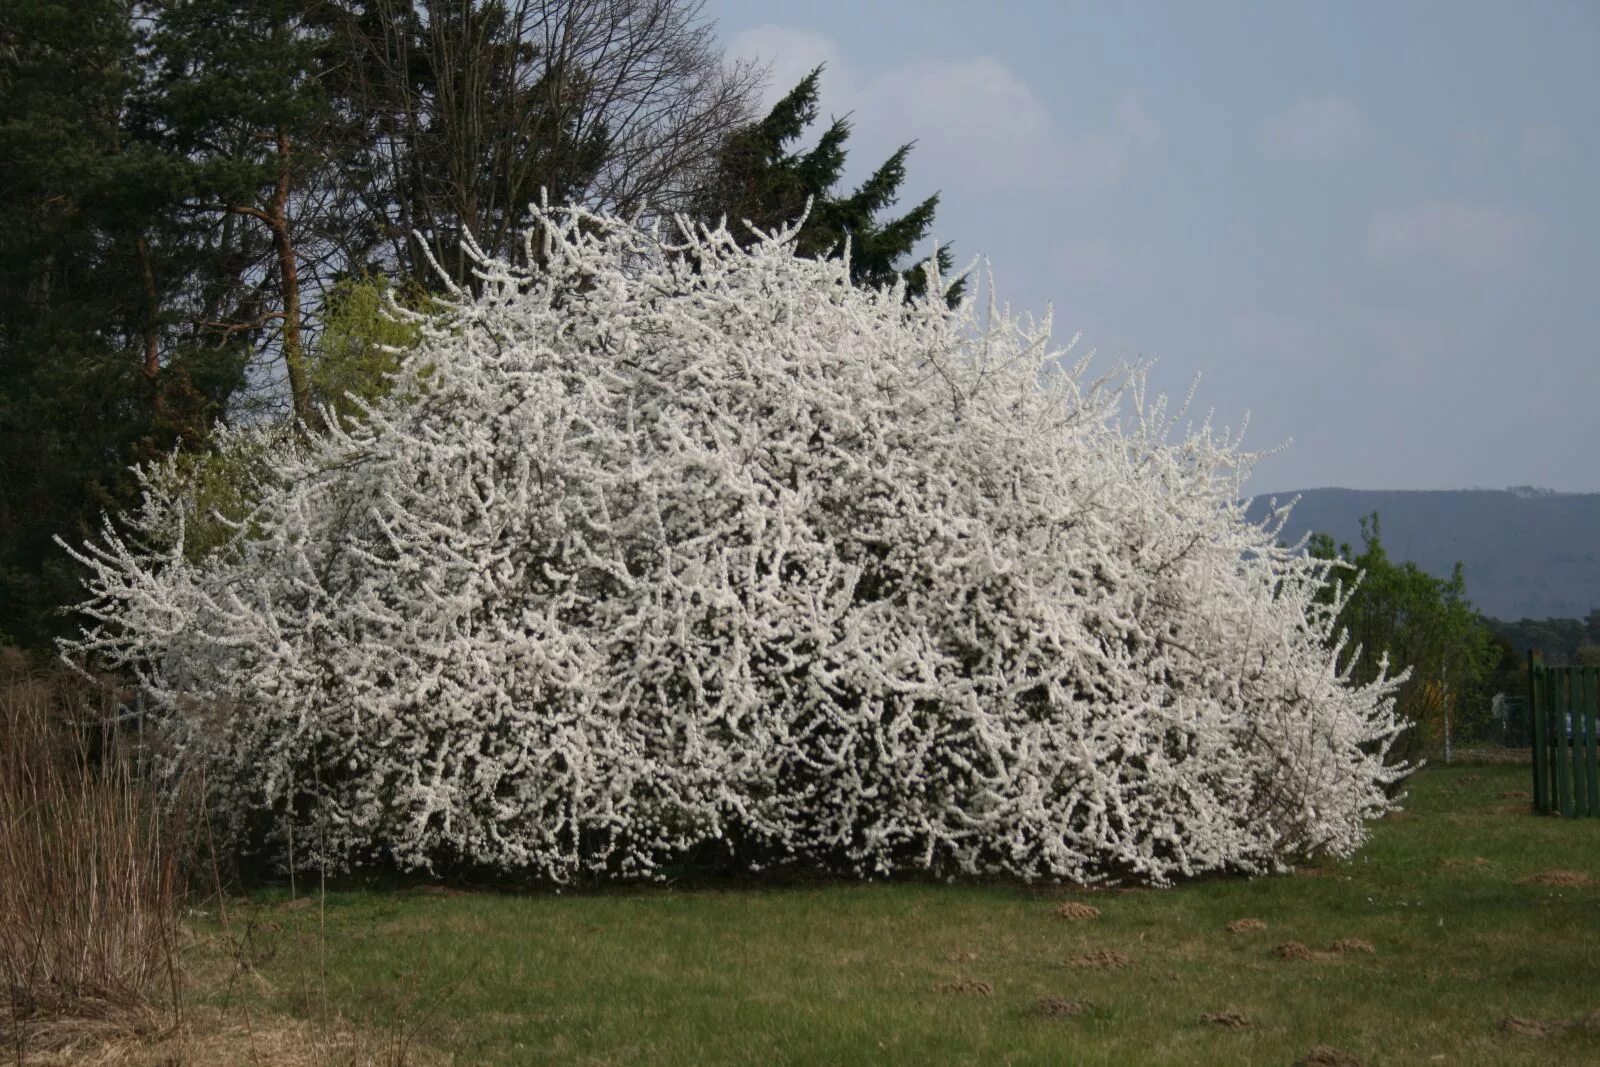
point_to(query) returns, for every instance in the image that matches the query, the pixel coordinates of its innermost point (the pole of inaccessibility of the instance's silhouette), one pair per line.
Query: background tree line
(1427, 623)
(200, 197)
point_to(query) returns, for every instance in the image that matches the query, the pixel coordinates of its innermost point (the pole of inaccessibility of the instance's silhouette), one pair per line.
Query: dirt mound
(1104, 959)
(1228, 1020)
(1524, 1027)
(1353, 944)
(1327, 1056)
(1075, 911)
(1292, 950)
(1059, 1007)
(1246, 926)
(1561, 879)
(1589, 1023)
(967, 989)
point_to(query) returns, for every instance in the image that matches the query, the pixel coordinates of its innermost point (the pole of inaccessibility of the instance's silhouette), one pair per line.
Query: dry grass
(97, 965)
(210, 1037)
(1561, 879)
(90, 873)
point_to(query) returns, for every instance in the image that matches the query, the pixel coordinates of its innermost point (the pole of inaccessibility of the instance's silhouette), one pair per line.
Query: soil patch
(1455, 862)
(1292, 950)
(1104, 959)
(1327, 1056)
(1075, 912)
(962, 957)
(1353, 944)
(1524, 1027)
(1514, 794)
(1561, 879)
(1590, 1022)
(1059, 1007)
(210, 1036)
(1246, 926)
(967, 989)
(1228, 1020)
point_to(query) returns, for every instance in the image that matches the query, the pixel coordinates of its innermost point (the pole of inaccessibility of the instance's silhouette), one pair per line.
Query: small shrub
(90, 878)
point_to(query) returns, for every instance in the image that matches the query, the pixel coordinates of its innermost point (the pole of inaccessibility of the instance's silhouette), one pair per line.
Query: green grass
(850, 973)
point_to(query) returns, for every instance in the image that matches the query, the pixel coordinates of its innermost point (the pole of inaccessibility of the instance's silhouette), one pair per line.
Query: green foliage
(759, 179)
(1557, 640)
(218, 486)
(1423, 622)
(361, 343)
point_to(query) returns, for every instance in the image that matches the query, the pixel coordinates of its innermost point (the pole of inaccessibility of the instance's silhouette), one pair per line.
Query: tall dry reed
(90, 862)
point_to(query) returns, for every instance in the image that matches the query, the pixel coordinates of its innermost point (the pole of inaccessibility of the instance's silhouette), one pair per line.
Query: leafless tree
(474, 108)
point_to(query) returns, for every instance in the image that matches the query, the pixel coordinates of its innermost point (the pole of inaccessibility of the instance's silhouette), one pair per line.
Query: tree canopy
(1400, 614)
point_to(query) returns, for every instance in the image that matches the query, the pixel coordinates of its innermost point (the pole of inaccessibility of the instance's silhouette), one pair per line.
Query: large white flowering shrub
(661, 552)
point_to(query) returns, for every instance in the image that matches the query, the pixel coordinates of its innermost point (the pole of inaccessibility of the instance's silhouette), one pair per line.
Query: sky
(1369, 227)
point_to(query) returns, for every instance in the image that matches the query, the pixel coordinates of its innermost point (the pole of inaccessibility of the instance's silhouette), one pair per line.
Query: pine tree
(95, 368)
(760, 179)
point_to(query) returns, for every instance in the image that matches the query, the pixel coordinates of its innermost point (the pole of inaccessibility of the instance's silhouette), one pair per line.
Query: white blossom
(679, 550)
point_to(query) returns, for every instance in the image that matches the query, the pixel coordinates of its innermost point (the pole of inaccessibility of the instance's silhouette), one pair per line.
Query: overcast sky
(1372, 226)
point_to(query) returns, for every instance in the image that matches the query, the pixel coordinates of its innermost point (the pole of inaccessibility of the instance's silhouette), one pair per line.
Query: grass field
(936, 974)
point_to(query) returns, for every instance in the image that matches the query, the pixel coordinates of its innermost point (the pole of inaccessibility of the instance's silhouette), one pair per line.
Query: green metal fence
(1564, 706)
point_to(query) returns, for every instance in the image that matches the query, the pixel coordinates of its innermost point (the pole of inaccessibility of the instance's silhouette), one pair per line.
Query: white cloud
(974, 121)
(968, 115)
(1324, 128)
(789, 53)
(1467, 238)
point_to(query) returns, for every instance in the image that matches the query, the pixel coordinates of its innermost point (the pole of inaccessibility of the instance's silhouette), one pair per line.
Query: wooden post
(1541, 800)
(1591, 739)
(1560, 690)
(1576, 699)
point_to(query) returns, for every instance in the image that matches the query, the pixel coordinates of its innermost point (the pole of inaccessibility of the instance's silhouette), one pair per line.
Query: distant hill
(1527, 553)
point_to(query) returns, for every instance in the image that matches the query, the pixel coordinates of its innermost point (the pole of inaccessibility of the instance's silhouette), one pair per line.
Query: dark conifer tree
(97, 370)
(759, 178)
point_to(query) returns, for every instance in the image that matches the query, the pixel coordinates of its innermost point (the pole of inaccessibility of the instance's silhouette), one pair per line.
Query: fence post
(1575, 749)
(1588, 717)
(1536, 727)
(1560, 729)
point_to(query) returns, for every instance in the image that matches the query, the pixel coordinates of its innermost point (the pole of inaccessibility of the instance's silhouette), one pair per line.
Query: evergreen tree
(759, 178)
(237, 93)
(95, 372)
